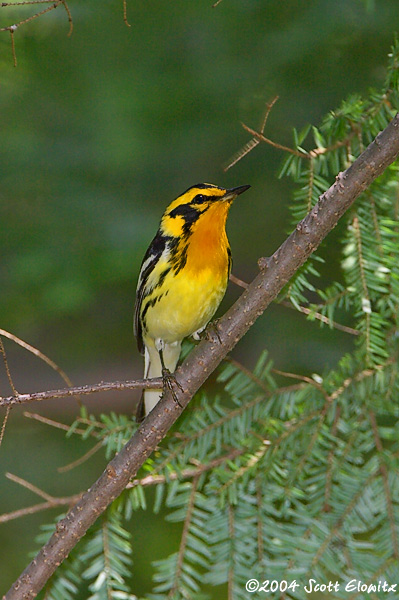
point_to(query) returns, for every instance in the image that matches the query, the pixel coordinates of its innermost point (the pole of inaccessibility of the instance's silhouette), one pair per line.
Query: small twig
(262, 138)
(363, 279)
(84, 390)
(330, 459)
(106, 554)
(4, 355)
(29, 486)
(69, 14)
(6, 416)
(48, 421)
(308, 311)
(335, 528)
(29, 2)
(14, 55)
(216, 3)
(253, 460)
(81, 459)
(347, 382)
(254, 141)
(230, 580)
(4, 424)
(302, 309)
(259, 137)
(250, 375)
(310, 184)
(184, 537)
(300, 466)
(31, 510)
(238, 281)
(54, 4)
(186, 473)
(149, 480)
(304, 378)
(259, 520)
(37, 353)
(125, 14)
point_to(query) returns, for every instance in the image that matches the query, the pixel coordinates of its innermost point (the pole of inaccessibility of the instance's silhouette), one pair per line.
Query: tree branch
(208, 354)
(83, 390)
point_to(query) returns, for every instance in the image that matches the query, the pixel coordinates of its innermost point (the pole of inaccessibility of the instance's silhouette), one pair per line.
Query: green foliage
(274, 478)
(99, 565)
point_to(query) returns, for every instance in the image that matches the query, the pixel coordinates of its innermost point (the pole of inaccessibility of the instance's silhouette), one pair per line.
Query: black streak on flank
(230, 259)
(179, 262)
(161, 279)
(150, 303)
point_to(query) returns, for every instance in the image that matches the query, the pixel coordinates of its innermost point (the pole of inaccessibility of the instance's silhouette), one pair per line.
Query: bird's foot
(169, 381)
(209, 333)
(212, 330)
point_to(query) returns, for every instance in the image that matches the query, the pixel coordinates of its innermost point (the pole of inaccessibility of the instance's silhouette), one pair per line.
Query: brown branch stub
(204, 359)
(238, 281)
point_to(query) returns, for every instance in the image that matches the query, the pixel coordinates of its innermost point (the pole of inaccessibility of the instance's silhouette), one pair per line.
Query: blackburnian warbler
(182, 280)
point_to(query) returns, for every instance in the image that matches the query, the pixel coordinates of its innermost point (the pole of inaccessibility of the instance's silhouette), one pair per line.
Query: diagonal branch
(204, 359)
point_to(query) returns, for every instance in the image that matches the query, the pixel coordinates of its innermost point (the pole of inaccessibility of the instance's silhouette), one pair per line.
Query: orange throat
(208, 242)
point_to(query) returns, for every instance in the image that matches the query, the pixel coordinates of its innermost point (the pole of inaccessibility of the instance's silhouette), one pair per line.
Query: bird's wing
(151, 258)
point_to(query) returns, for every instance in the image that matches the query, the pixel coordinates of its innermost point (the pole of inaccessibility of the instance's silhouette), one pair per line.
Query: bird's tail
(153, 368)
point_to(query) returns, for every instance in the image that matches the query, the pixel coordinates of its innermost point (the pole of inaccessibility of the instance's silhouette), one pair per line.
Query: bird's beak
(234, 192)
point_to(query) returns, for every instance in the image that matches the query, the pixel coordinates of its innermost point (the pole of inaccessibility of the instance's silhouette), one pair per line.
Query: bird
(182, 280)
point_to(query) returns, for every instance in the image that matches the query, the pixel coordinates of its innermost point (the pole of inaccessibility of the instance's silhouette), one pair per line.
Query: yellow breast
(188, 299)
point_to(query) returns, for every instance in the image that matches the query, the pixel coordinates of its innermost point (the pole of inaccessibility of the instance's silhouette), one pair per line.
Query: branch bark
(208, 354)
(82, 390)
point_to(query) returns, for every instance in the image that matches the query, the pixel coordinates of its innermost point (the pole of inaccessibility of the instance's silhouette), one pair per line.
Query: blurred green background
(98, 133)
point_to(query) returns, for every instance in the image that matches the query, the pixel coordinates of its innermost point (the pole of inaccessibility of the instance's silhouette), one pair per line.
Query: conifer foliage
(290, 482)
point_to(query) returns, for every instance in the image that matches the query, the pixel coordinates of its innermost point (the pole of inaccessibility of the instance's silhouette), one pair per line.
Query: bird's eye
(200, 199)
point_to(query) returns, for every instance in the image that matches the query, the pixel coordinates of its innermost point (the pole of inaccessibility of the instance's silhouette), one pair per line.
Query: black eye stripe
(186, 211)
(202, 198)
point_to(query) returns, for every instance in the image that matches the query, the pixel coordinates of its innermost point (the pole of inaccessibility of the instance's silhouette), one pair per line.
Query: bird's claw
(212, 329)
(169, 380)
